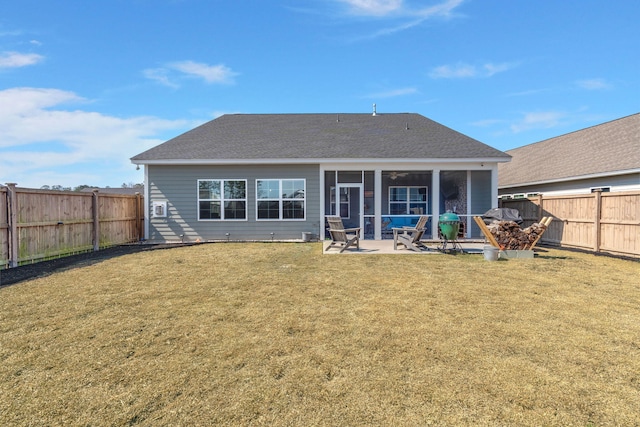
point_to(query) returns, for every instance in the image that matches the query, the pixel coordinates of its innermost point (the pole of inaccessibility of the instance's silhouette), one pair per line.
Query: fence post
(12, 217)
(138, 219)
(540, 210)
(596, 224)
(95, 208)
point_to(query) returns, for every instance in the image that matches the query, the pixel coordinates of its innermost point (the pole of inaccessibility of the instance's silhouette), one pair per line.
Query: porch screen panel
(329, 192)
(453, 191)
(350, 177)
(480, 197)
(369, 192)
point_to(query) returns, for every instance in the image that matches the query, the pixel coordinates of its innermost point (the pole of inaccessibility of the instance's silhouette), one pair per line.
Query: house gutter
(318, 161)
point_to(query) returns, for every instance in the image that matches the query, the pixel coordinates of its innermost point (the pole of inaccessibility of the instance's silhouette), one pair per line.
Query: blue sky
(85, 85)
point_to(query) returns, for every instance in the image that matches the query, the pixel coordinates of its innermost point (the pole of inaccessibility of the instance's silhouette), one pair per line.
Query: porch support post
(467, 219)
(435, 203)
(377, 204)
(322, 204)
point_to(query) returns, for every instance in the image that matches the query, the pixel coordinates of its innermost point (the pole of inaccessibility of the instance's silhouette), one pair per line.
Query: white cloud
(442, 9)
(41, 138)
(11, 33)
(538, 120)
(160, 75)
(373, 7)
(490, 69)
(462, 70)
(17, 59)
(380, 8)
(453, 71)
(594, 84)
(398, 9)
(527, 92)
(210, 73)
(17, 102)
(174, 71)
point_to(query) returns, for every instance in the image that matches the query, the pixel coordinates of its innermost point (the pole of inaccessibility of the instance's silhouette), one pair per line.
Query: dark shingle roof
(319, 136)
(114, 190)
(610, 147)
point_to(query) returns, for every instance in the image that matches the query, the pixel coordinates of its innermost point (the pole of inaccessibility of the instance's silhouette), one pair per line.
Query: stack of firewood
(510, 236)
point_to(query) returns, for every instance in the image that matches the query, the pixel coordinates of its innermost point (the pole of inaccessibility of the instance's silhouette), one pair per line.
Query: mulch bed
(24, 272)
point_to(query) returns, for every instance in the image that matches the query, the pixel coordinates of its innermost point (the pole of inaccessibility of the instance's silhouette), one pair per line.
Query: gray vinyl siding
(178, 185)
(480, 197)
(585, 185)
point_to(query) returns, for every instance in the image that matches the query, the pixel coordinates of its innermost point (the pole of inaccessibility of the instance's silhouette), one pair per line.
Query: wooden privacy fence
(599, 222)
(40, 224)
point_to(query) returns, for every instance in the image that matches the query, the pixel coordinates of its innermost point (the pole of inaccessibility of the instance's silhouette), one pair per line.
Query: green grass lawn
(280, 334)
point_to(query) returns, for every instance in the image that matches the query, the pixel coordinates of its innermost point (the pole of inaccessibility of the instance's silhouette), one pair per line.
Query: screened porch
(379, 200)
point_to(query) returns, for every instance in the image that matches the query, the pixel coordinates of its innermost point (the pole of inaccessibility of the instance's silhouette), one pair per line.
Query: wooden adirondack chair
(410, 236)
(340, 236)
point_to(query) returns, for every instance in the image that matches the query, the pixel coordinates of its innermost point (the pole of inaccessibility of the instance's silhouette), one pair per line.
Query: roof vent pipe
(374, 109)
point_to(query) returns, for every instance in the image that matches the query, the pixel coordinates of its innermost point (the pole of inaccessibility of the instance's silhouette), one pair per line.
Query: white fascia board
(319, 161)
(413, 165)
(572, 178)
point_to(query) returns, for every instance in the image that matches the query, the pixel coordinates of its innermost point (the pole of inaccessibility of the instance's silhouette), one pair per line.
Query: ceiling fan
(395, 175)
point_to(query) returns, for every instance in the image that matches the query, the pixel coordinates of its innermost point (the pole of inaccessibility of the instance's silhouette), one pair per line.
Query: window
(407, 200)
(220, 199)
(280, 199)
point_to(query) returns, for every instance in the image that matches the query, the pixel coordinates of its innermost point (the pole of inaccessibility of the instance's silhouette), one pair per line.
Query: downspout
(147, 202)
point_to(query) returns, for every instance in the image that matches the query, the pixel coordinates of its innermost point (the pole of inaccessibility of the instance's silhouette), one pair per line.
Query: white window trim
(280, 200)
(222, 200)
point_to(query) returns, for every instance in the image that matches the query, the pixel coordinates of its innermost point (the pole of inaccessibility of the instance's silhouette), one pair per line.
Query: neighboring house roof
(316, 137)
(114, 190)
(610, 148)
